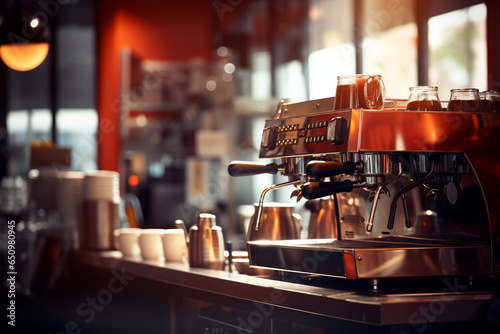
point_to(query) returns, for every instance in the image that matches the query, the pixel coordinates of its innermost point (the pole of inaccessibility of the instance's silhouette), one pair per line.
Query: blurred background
(167, 93)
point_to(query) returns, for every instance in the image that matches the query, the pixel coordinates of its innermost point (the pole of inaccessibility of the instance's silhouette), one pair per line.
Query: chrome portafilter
(376, 168)
(316, 171)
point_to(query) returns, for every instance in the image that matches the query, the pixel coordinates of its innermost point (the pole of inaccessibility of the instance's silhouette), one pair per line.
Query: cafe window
(25, 126)
(292, 81)
(56, 100)
(457, 49)
(261, 75)
(389, 43)
(77, 128)
(331, 45)
(408, 42)
(373, 37)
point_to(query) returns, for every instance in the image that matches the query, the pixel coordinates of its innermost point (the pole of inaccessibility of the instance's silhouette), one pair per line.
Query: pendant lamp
(23, 44)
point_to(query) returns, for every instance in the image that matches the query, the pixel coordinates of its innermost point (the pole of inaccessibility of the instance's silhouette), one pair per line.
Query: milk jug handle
(298, 221)
(264, 192)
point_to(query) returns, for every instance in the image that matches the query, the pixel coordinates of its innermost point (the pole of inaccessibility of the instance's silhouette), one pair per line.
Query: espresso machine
(415, 193)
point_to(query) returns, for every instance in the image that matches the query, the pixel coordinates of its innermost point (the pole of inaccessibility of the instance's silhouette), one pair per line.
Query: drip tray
(395, 256)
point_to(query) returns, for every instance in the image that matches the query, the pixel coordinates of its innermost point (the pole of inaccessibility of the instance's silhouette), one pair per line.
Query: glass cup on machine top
(359, 91)
(466, 99)
(490, 101)
(423, 98)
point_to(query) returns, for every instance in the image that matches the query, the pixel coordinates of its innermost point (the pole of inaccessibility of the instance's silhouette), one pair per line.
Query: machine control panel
(319, 133)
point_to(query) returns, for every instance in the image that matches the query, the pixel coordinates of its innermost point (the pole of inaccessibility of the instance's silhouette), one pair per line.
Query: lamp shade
(23, 44)
(24, 57)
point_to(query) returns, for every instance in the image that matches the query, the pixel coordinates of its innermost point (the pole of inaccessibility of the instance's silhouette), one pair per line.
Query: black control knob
(337, 130)
(269, 137)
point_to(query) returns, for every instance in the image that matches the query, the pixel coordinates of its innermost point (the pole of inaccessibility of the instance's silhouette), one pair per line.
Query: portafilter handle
(321, 169)
(312, 190)
(245, 168)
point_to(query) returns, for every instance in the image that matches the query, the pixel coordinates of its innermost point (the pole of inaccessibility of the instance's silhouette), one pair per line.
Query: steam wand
(405, 209)
(369, 226)
(244, 168)
(261, 201)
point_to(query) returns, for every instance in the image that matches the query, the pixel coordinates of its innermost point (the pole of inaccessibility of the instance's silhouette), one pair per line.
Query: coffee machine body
(415, 193)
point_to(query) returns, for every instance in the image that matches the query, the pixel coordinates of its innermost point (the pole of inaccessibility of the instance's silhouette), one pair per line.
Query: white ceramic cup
(150, 243)
(174, 245)
(128, 241)
(116, 239)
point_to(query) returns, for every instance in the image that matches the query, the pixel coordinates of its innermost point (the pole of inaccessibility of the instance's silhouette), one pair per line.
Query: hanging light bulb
(23, 45)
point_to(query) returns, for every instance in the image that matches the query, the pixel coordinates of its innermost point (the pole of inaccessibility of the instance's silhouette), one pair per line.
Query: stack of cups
(69, 203)
(102, 185)
(42, 183)
(101, 198)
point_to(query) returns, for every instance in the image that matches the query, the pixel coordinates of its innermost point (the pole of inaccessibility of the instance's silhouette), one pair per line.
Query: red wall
(154, 29)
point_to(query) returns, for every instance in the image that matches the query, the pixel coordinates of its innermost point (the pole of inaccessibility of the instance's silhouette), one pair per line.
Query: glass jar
(423, 98)
(490, 101)
(466, 99)
(359, 91)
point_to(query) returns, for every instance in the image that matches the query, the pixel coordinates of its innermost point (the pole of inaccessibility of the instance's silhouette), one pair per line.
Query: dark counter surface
(452, 301)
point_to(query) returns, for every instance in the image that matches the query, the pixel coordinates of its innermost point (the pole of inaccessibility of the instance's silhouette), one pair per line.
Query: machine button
(337, 130)
(269, 137)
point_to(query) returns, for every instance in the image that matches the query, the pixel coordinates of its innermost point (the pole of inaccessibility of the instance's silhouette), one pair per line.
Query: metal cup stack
(101, 197)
